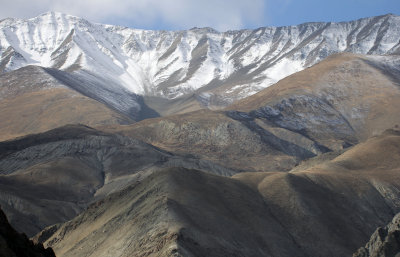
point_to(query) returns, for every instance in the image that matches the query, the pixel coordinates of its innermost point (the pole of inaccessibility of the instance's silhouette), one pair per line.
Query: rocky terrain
(181, 212)
(155, 187)
(340, 101)
(14, 244)
(384, 242)
(51, 177)
(117, 141)
(335, 104)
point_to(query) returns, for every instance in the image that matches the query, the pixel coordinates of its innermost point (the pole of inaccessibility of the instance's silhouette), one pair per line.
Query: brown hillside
(180, 212)
(32, 102)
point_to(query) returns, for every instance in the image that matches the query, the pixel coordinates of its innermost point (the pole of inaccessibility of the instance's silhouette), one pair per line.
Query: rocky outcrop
(14, 244)
(384, 242)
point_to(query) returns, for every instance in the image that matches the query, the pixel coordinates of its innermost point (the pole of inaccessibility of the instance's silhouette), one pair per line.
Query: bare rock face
(14, 244)
(384, 242)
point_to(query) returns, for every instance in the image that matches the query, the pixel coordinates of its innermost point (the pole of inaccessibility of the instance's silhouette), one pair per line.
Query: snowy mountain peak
(218, 67)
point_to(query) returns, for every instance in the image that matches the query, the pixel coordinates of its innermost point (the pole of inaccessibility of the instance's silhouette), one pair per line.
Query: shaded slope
(330, 207)
(50, 177)
(175, 212)
(13, 244)
(325, 211)
(106, 92)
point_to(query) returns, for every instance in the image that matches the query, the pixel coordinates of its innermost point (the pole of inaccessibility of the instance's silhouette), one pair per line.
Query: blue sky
(279, 13)
(219, 14)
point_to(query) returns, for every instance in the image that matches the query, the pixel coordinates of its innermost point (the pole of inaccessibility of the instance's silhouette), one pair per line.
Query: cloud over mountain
(180, 14)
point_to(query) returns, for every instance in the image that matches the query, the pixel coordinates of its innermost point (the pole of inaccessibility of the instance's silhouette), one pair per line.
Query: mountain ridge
(182, 212)
(206, 28)
(218, 68)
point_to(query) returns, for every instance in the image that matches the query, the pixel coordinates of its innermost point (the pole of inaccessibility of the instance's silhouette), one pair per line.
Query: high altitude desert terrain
(279, 141)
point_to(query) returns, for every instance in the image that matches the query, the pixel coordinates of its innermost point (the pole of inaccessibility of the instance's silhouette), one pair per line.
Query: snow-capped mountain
(218, 67)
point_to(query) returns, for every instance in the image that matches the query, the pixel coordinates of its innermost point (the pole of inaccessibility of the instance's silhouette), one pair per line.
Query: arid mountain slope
(293, 124)
(335, 104)
(199, 182)
(51, 177)
(342, 100)
(32, 101)
(14, 244)
(359, 188)
(216, 137)
(328, 210)
(175, 212)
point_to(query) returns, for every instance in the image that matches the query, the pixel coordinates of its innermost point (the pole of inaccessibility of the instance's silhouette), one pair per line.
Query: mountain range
(278, 141)
(130, 69)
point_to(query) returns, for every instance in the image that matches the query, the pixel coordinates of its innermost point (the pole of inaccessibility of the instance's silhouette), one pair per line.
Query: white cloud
(175, 14)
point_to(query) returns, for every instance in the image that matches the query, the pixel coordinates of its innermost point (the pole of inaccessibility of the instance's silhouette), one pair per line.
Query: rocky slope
(352, 98)
(51, 177)
(335, 104)
(181, 212)
(13, 244)
(216, 137)
(340, 101)
(200, 67)
(384, 242)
